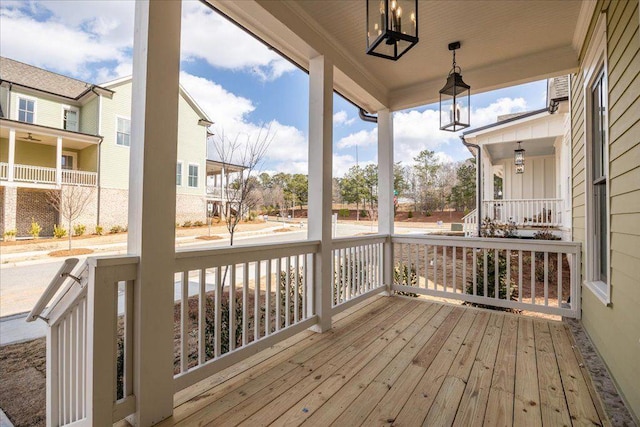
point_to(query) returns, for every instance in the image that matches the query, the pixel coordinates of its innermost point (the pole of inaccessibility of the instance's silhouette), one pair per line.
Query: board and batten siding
(615, 329)
(537, 182)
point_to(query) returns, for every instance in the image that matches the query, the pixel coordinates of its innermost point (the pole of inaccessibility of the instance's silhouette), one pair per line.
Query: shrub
(198, 223)
(343, 213)
(186, 224)
(363, 213)
(10, 235)
(253, 215)
(99, 230)
(428, 213)
(410, 214)
(116, 229)
(545, 234)
(79, 229)
(491, 228)
(405, 275)
(35, 229)
(59, 232)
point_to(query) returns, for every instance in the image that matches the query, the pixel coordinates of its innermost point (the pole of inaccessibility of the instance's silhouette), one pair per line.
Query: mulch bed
(70, 252)
(214, 237)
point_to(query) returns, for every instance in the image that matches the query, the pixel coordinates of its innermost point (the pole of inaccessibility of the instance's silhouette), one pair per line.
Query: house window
(67, 162)
(193, 175)
(26, 110)
(599, 178)
(70, 119)
(123, 133)
(596, 143)
(179, 173)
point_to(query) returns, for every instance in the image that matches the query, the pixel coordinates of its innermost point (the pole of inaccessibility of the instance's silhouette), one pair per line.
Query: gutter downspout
(478, 182)
(98, 188)
(367, 117)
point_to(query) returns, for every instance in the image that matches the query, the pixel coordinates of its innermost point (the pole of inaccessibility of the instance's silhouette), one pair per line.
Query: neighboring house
(537, 194)
(57, 131)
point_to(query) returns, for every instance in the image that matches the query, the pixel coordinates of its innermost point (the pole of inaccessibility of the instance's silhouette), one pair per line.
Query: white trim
(181, 163)
(197, 175)
(116, 131)
(595, 59)
(35, 108)
(77, 111)
(582, 25)
(75, 158)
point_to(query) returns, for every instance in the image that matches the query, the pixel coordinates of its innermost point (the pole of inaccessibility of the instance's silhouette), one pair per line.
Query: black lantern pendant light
(518, 158)
(392, 27)
(454, 98)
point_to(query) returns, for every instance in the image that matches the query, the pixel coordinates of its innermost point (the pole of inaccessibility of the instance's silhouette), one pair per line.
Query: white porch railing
(356, 270)
(34, 174)
(539, 276)
(525, 212)
(77, 177)
(470, 222)
(45, 175)
(268, 290)
(214, 192)
(235, 302)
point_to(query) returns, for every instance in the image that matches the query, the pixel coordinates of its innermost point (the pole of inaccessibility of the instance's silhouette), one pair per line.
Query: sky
(243, 89)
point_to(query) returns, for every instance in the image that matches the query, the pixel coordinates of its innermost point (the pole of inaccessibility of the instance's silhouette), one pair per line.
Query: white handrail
(64, 273)
(525, 212)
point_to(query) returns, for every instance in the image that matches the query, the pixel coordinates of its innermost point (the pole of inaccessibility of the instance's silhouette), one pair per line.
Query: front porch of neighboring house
(282, 332)
(538, 197)
(220, 196)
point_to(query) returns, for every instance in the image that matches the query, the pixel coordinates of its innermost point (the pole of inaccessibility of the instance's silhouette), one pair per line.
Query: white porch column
(59, 161)
(152, 203)
(320, 174)
(12, 154)
(385, 190)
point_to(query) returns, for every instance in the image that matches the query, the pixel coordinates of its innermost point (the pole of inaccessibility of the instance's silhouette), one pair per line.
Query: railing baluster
(464, 270)
(435, 268)
(508, 296)
(342, 283)
(245, 303)
(485, 270)
(559, 254)
(218, 313)
(256, 303)
(401, 264)
(202, 311)
(475, 271)
(287, 302)
(184, 322)
(444, 268)
(267, 311)
(546, 278)
(232, 309)
(533, 277)
(296, 265)
(519, 276)
(453, 282)
(496, 276)
(278, 301)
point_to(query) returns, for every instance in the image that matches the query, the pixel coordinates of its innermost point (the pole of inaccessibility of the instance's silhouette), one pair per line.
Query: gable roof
(28, 76)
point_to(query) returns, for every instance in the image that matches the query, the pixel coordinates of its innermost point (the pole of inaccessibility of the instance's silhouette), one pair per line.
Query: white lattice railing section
(77, 177)
(470, 223)
(356, 269)
(539, 276)
(34, 174)
(525, 212)
(237, 301)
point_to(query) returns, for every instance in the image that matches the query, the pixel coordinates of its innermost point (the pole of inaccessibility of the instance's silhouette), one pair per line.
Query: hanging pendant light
(392, 27)
(454, 98)
(518, 158)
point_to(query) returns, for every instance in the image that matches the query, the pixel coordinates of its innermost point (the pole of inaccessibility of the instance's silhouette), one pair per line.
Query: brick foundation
(32, 205)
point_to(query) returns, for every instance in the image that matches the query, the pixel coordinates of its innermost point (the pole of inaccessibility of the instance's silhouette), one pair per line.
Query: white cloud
(342, 118)
(361, 138)
(207, 35)
(414, 131)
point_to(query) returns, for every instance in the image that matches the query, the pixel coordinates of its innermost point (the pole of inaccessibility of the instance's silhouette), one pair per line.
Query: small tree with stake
(70, 201)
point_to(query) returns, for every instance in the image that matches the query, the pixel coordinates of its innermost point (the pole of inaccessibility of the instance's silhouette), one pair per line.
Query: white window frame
(116, 127)
(35, 108)
(595, 61)
(77, 111)
(75, 159)
(179, 166)
(197, 165)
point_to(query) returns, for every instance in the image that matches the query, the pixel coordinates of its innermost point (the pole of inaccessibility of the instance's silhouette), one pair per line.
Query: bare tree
(248, 154)
(70, 201)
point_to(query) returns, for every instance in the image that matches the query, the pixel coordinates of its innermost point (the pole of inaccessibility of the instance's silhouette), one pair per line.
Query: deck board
(403, 361)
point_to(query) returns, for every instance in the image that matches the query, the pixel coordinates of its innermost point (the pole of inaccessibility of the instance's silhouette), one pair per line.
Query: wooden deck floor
(405, 362)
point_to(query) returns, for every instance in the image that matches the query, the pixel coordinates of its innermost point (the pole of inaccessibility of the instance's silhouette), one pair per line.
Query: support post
(12, 155)
(386, 191)
(152, 171)
(320, 175)
(59, 163)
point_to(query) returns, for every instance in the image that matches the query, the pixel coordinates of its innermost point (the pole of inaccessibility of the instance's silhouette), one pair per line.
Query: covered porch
(119, 348)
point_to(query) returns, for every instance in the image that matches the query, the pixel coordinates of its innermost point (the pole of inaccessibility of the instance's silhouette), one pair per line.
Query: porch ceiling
(503, 43)
(533, 147)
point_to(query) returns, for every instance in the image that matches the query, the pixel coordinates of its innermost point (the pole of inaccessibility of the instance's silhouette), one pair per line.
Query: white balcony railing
(44, 175)
(525, 212)
(270, 292)
(215, 192)
(470, 223)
